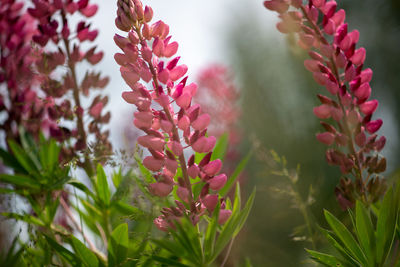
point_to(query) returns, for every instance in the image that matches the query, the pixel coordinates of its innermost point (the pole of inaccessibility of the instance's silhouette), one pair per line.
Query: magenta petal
(373, 126)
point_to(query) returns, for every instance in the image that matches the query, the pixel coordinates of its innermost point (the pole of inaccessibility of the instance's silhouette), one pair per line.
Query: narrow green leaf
(84, 254)
(346, 237)
(365, 232)
(22, 157)
(10, 161)
(82, 187)
(244, 213)
(210, 235)
(220, 147)
(325, 259)
(26, 218)
(20, 180)
(102, 186)
(231, 181)
(63, 252)
(169, 262)
(386, 224)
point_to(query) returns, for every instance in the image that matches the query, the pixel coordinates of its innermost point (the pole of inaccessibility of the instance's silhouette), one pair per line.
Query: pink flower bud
(326, 138)
(146, 53)
(359, 56)
(200, 145)
(175, 147)
(178, 72)
(339, 17)
(337, 113)
(120, 41)
(224, 216)
(160, 189)
(350, 73)
(369, 107)
(153, 164)
(193, 171)
(201, 122)
(312, 65)
(184, 100)
(171, 49)
(148, 14)
(95, 111)
(130, 77)
(184, 123)
(163, 76)
(278, 6)
(360, 139)
(130, 97)
(89, 11)
(166, 126)
(152, 142)
(363, 92)
(332, 87)
(373, 126)
(210, 202)
(330, 27)
(142, 124)
(161, 223)
(210, 144)
(320, 77)
(323, 111)
(183, 193)
(171, 165)
(158, 47)
(218, 182)
(213, 167)
(366, 75)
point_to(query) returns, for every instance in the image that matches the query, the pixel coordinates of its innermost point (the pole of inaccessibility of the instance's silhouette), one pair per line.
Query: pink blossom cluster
(17, 97)
(46, 92)
(338, 65)
(166, 114)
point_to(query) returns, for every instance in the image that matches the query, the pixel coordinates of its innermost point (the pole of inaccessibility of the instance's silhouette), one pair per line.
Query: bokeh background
(276, 99)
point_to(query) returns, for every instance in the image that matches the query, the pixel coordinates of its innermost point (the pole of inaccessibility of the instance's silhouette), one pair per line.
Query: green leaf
(82, 187)
(220, 148)
(325, 259)
(365, 232)
(10, 161)
(20, 180)
(83, 253)
(26, 218)
(102, 186)
(169, 262)
(231, 181)
(118, 244)
(211, 232)
(346, 237)
(386, 224)
(63, 252)
(244, 213)
(22, 157)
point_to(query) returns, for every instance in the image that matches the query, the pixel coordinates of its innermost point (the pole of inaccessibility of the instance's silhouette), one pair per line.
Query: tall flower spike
(338, 66)
(165, 114)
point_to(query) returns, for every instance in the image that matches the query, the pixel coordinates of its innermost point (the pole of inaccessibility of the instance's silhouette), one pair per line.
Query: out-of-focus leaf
(26, 218)
(118, 245)
(102, 186)
(209, 239)
(20, 180)
(220, 147)
(10, 161)
(22, 157)
(63, 252)
(87, 257)
(82, 187)
(169, 262)
(231, 181)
